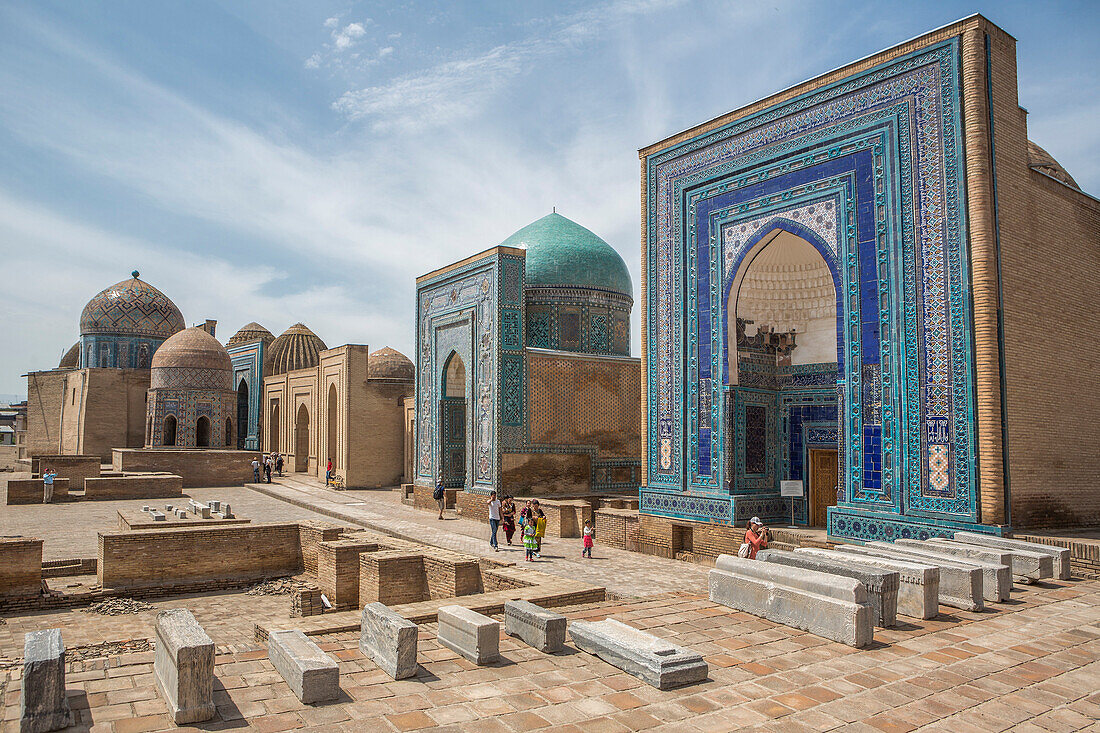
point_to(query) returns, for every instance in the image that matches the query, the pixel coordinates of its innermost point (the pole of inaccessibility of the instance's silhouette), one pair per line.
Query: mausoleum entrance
(301, 440)
(452, 434)
(781, 405)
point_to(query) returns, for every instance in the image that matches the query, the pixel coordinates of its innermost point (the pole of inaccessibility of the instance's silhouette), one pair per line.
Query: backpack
(438, 493)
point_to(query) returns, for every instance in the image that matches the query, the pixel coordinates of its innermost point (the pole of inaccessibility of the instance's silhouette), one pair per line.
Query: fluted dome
(132, 308)
(387, 363)
(251, 332)
(71, 360)
(1044, 162)
(296, 348)
(561, 252)
(192, 359)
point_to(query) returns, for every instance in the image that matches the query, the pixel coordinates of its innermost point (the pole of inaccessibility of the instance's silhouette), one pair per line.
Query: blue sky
(282, 162)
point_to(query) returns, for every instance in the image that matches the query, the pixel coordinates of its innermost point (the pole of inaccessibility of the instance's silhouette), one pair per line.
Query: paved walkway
(627, 574)
(1032, 665)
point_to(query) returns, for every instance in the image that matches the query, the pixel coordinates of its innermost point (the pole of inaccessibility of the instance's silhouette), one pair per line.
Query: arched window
(169, 435)
(202, 432)
(228, 432)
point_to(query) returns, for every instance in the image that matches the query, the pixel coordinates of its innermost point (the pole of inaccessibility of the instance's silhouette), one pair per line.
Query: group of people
(266, 464)
(531, 522)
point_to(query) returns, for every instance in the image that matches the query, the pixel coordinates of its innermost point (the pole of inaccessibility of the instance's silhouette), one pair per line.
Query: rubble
(117, 607)
(277, 587)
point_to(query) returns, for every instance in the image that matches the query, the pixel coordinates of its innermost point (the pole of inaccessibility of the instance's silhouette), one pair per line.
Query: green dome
(561, 252)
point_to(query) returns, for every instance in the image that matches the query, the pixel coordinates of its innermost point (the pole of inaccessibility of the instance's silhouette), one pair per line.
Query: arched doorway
(242, 414)
(782, 354)
(228, 432)
(332, 410)
(452, 433)
(168, 435)
(301, 440)
(273, 429)
(202, 432)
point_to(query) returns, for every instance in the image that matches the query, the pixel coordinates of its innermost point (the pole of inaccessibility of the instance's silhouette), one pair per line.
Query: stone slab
(184, 666)
(653, 660)
(882, 585)
(1029, 566)
(792, 597)
(960, 585)
(918, 585)
(310, 673)
(996, 576)
(469, 634)
(1059, 554)
(542, 629)
(43, 705)
(389, 640)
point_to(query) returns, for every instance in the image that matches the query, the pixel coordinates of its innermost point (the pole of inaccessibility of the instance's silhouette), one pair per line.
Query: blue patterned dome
(562, 253)
(131, 308)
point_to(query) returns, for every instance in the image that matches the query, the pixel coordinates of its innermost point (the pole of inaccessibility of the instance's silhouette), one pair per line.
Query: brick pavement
(1033, 664)
(622, 573)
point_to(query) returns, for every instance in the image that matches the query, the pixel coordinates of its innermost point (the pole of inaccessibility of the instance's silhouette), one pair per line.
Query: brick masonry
(199, 467)
(20, 568)
(31, 491)
(152, 486)
(1084, 554)
(181, 558)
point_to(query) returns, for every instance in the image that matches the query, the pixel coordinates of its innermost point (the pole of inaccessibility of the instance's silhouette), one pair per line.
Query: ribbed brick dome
(387, 363)
(296, 348)
(251, 332)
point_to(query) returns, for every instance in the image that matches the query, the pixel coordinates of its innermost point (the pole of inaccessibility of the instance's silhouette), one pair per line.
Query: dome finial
(135, 274)
(555, 209)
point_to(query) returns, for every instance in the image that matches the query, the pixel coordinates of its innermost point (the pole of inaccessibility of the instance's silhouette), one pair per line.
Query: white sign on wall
(790, 488)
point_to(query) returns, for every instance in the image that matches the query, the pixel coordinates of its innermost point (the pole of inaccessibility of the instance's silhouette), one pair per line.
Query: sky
(278, 162)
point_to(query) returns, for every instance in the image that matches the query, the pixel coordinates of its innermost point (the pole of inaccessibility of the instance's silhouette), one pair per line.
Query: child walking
(529, 540)
(589, 534)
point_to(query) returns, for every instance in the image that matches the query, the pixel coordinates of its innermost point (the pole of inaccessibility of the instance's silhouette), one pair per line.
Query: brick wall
(338, 570)
(306, 602)
(74, 468)
(545, 474)
(159, 486)
(182, 557)
(199, 467)
(69, 568)
(392, 577)
(20, 568)
(310, 534)
(614, 527)
(45, 392)
(450, 576)
(31, 491)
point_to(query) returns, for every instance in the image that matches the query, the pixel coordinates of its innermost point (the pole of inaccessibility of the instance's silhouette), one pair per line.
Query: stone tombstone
(653, 660)
(42, 702)
(882, 585)
(918, 587)
(1027, 566)
(996, 577)
(310, 673)
(961, 586)
(831, 606)
(389, 640)
(542, 629)
(470, 634)
(1060, 554)
(184, 666)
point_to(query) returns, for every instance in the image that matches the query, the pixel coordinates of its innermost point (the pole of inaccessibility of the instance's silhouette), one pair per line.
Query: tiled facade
(878, 150)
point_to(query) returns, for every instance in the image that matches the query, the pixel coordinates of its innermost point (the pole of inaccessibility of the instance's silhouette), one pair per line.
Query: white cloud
(313, 61)
(383, 52)
(348, 35)
(331, 22)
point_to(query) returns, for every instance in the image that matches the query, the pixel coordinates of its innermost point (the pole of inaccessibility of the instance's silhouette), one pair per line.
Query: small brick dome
(71, 360)
(251, 332)
(192, 359)
(387, 363)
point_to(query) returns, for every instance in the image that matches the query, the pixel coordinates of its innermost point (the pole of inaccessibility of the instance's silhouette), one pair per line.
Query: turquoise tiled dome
(561, 252)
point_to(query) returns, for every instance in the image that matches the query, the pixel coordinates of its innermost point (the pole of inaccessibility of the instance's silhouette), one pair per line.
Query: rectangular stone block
(831, 606)
(882, 585)
(960, 585)
(918, 585)
(653, 660)
(1027, 566)
(389, 639)
(308, 671)
(996, 576)
(184, 666)
(542, 629)
(158, 516)
(1059, 554)
(470, 634)
(42, 702)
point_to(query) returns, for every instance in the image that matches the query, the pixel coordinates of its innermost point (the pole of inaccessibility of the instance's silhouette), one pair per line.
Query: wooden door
(824, 475)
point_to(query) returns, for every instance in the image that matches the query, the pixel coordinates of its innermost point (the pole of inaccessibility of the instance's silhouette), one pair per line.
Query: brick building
(854, 286)
(524, 379)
